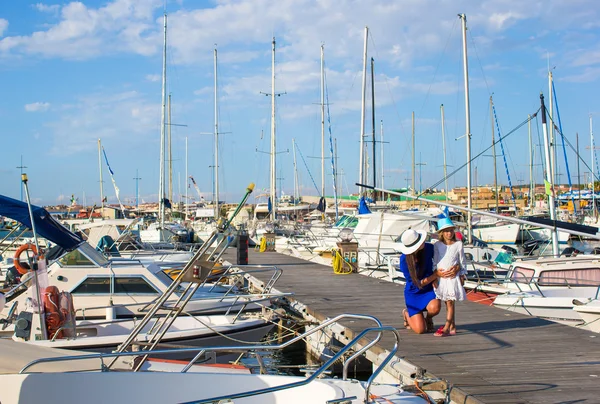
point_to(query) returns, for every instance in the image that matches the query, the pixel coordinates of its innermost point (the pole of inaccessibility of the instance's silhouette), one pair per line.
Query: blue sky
(73, 72)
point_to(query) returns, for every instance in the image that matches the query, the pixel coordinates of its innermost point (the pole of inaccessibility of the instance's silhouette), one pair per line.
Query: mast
(373, 123)
(187, 201)
(137, 190)
(578, 173)
(531, 185)
(322, 120)
(494, 152)
(101, 182)
(592, 176)
(361, 168)
(161, 184)
(551, 131)
(296, 193)
(217, 212)
(169, 152)
(381, 152)
(549, 178)
(273, 144)
(463, 18)
(413, 152)
(444, 148)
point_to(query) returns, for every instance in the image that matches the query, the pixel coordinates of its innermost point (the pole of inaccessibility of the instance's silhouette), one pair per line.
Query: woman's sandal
(429, 323)
(441, 333)
(406, 325)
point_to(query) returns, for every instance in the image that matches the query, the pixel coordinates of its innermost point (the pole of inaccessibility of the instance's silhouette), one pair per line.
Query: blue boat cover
(362, 206)
(45, 225)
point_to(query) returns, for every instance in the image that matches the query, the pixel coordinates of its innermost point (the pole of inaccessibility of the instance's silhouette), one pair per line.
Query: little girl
(449, 253)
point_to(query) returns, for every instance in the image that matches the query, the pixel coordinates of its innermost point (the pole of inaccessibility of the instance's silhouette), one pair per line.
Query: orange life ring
(22, 270)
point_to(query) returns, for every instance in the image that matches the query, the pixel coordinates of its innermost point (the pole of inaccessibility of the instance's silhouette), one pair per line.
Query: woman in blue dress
(416, 263)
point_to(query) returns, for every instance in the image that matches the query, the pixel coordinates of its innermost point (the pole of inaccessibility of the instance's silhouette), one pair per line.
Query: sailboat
(162, 233)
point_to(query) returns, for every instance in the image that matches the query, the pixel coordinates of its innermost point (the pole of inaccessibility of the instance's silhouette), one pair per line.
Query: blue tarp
(45, 225)
(362, 206)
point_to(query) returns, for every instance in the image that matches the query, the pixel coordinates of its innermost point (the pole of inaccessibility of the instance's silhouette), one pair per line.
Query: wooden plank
(496, 357)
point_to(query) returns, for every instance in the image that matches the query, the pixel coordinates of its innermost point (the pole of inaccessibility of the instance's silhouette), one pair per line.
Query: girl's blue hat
(444, 223)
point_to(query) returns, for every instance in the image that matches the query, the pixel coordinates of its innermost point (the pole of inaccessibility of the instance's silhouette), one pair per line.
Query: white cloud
(153, 77)
(3, 26)
(46, 8)
(37, 107)
(125, 115)
(400, 31)
(589, 74)
(83, 33)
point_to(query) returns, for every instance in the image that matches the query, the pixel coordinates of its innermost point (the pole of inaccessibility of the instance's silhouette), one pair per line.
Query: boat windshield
(347, 221)
(84, 255)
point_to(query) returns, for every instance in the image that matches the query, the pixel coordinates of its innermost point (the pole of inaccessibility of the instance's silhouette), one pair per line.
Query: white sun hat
(411, 240)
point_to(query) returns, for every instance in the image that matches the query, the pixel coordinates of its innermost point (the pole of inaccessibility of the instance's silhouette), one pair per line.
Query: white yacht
(547, 287)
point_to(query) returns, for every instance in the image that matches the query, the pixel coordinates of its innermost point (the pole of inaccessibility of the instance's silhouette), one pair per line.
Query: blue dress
(418, 299)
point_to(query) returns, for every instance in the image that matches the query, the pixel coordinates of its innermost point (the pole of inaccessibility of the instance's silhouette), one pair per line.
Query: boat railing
(376, 259)
(527, 283)
(247, 270)
(201, 351)
(245, 298)
(477, 265)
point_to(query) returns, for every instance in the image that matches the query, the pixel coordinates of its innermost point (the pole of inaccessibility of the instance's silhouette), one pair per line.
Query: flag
(548, 188)
(105, 199)
(113, 181)
(167, 203)
(322, 205)
(73, 200)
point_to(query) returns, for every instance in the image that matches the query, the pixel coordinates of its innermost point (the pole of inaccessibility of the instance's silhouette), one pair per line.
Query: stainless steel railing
(378, 328)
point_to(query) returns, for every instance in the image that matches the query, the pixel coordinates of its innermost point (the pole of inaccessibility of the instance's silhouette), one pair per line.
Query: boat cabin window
(133, 285)
(93, 286)
(574, 277)
(522, 275)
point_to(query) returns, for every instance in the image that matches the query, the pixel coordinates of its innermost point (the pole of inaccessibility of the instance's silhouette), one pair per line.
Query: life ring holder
(17, 262)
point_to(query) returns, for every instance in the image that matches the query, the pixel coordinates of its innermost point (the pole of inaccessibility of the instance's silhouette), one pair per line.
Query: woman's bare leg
(433, 309)
(417, 323)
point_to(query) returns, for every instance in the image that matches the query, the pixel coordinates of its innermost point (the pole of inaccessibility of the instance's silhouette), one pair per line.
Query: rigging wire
(481, 152)
(307, 169)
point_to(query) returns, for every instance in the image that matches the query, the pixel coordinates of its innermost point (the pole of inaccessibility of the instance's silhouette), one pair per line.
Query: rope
(422, 392)
(338, 264)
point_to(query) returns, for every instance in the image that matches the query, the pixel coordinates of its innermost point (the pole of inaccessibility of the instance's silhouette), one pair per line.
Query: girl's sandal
(406, 325)
(452, 332)
(441, 333)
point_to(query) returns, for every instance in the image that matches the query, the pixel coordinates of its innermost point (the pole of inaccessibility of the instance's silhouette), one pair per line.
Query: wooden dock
(496, 357)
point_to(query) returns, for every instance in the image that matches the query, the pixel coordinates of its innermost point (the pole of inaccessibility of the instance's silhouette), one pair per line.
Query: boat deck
(496, 357)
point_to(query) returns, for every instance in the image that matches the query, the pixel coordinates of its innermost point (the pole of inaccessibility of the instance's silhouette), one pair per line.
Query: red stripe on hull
(481, 297)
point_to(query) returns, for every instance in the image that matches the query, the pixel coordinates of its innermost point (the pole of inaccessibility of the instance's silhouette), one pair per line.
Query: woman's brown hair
(411, 262)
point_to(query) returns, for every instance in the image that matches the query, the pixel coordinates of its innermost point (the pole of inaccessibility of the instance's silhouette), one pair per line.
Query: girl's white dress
(445, 257)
